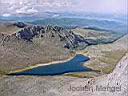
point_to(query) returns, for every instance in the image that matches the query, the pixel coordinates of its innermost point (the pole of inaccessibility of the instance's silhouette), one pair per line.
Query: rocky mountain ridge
(68, 38)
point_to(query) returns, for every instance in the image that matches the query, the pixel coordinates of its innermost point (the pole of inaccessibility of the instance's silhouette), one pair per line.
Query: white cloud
(26, 10)
(34, 6)
(32, 11)
(6, 15)
(22, 10)
(56, 15)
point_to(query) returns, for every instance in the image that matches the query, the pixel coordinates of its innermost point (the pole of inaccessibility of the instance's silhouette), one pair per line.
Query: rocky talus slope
(68, 86)
(107, 84)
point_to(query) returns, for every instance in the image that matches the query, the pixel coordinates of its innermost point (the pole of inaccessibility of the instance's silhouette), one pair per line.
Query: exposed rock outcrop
(69, 39)
(20, 24)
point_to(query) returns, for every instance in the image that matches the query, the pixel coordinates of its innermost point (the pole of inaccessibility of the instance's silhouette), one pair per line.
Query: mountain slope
(35, 44)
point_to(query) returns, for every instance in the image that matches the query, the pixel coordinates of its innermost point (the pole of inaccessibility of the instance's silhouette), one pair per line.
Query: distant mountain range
(81, 22)
(73, 19)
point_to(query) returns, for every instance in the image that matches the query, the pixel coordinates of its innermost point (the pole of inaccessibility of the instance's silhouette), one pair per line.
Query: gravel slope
(60, 85)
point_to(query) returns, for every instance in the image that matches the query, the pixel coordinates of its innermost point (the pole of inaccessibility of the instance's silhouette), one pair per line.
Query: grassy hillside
(8, 28)
(105, 57)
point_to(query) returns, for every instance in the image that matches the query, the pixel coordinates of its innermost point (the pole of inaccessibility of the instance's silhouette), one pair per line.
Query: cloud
(35, 6)
(6, 15)
(56, 15)
(32, 11)
(26, 10)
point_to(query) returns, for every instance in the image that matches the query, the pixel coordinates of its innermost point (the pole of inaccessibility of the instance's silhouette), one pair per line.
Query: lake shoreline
(43, 64)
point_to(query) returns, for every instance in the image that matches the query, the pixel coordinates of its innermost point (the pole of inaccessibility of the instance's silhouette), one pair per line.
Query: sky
(16, 7)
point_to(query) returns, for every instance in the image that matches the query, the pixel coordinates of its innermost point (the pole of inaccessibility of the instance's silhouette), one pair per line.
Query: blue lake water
(74, 65)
